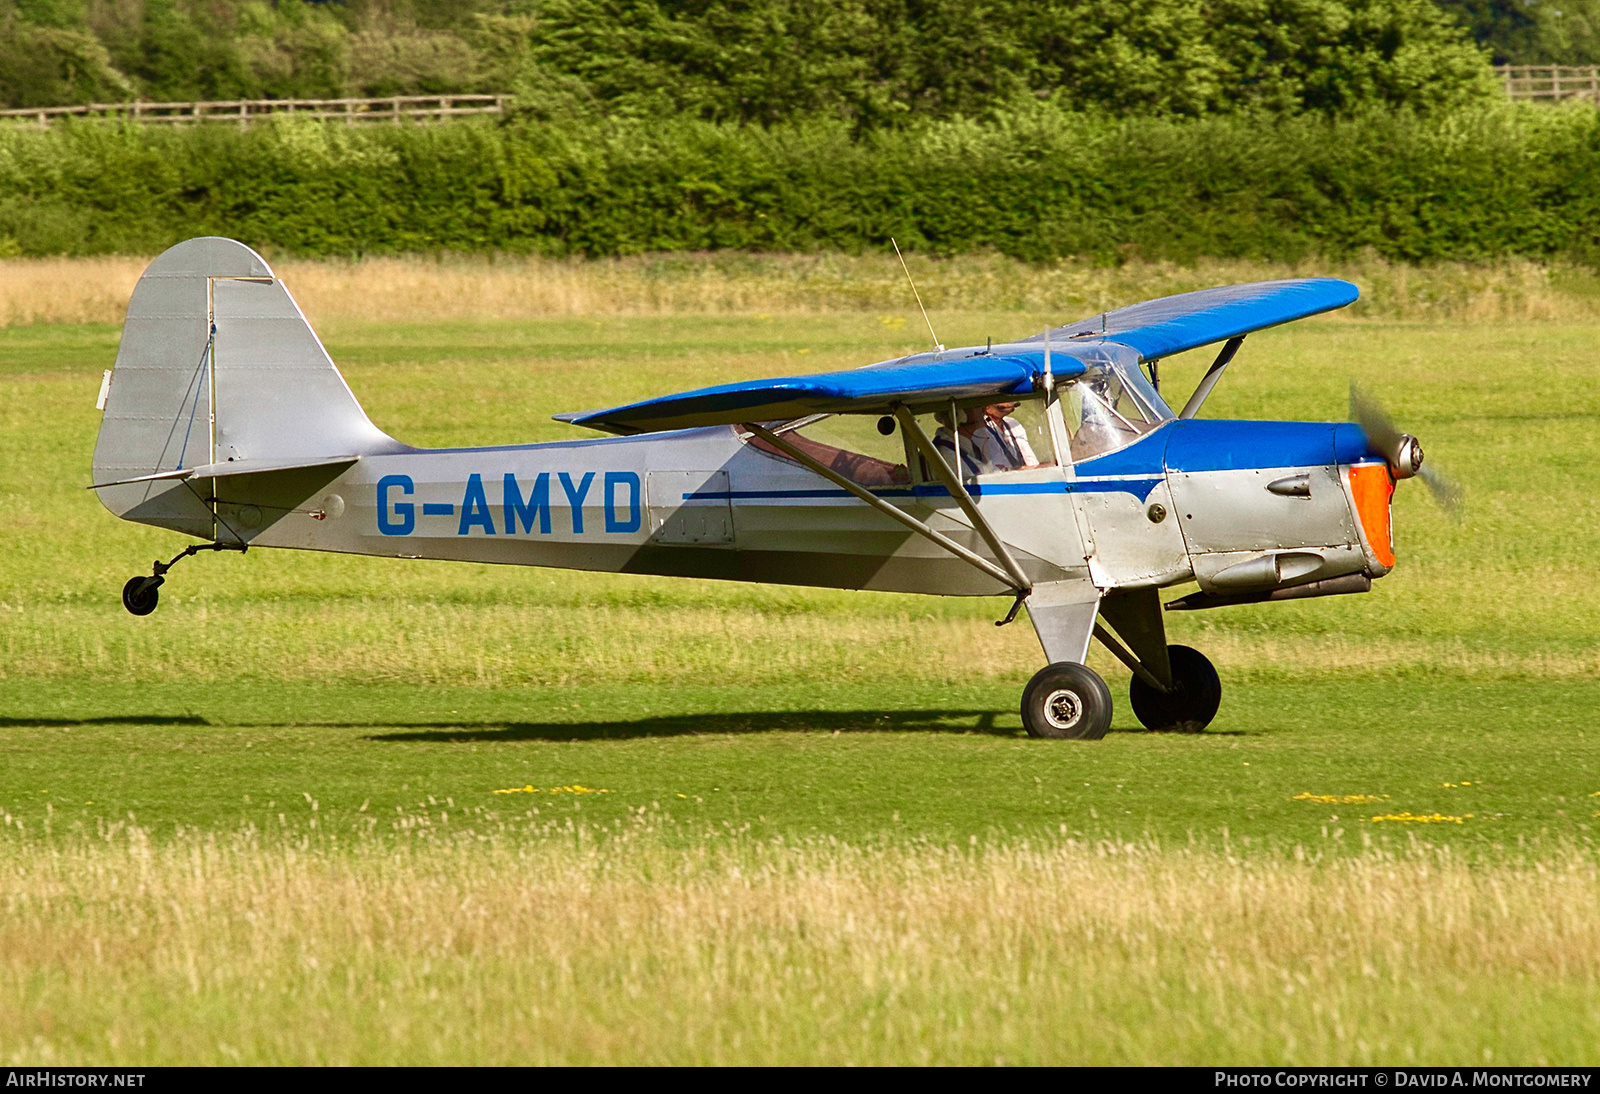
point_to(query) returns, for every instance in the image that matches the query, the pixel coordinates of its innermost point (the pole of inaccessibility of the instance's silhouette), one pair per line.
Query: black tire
(1066, 701)
(141, 594)
(1190, 705)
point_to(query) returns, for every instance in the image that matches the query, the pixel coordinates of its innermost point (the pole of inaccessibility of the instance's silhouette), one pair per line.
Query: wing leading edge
(1154, 329)
(912, 382)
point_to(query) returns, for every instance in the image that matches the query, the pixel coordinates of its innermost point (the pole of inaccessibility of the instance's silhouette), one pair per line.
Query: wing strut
(1019, 581)
(1209, 381)
(1018, 585)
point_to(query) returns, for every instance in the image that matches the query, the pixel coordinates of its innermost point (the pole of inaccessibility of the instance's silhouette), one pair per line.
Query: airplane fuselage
(1193, 499)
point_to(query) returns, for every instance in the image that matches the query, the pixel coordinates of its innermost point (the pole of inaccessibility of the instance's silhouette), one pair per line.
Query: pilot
(991, 440)
(1006, 439)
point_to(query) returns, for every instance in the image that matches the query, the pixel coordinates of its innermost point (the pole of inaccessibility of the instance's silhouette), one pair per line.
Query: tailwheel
(141, 594)
(1190, 705)
(1066, 700)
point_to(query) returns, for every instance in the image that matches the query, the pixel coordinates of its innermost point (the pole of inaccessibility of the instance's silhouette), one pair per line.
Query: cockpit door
(1008, 465)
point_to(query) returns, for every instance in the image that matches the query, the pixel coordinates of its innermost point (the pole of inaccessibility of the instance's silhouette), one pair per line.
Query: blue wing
(926, 380)
(1172, 324)
(1154, 329)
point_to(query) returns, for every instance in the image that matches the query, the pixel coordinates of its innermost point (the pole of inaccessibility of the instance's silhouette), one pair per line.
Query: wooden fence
(1552, 83)
(399, 108)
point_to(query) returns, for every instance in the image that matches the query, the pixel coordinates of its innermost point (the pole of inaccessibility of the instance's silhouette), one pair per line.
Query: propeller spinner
(1403, 451)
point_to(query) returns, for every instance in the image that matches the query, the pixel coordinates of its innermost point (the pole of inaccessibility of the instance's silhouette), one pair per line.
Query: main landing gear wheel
(1066, 700)
(1190, 705)
(141, 594)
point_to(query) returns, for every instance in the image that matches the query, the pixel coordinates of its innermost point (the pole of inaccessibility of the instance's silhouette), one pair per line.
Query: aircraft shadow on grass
(814, 721)
(676, 725)
(110, 720)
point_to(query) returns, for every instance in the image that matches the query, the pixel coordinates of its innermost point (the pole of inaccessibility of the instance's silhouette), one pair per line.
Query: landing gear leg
(1189, 705)
(1066, 698)
(141, 594)
(1174, 688)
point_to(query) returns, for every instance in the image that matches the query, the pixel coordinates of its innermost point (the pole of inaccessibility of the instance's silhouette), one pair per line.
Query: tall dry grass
(95, 290)
(445, 944)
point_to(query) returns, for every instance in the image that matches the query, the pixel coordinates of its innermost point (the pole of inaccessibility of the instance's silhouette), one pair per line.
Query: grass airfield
(288, 817)
(1294, 765)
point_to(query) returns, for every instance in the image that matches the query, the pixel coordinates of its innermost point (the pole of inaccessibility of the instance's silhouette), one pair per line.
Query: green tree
(47, 60)
(1532, 32)
(879, 61)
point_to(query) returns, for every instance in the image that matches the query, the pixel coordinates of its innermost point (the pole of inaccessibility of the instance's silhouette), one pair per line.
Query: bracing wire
(194, 408)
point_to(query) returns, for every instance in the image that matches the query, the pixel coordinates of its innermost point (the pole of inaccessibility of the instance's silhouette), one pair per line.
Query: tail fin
(217, 364)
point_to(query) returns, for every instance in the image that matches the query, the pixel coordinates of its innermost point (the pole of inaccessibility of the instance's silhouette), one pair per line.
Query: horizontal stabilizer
(920, 382)
(1172, 324)
(231, 468)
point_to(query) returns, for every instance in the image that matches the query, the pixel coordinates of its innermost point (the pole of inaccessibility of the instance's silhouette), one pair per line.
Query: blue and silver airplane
(1050, 470)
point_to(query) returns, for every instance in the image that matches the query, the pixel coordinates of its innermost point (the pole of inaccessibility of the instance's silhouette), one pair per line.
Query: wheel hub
(1063, 708)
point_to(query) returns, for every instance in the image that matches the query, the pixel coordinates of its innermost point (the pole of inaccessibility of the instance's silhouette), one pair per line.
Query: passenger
(974, 459)
(858, 468)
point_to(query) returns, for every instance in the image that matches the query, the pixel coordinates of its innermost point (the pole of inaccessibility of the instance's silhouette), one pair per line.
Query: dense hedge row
(1483, 183)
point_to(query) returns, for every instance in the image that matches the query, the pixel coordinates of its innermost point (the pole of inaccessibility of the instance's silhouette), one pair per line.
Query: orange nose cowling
(1372, 487)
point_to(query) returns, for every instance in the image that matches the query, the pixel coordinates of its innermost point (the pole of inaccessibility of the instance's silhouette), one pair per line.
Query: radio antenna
(937, 345)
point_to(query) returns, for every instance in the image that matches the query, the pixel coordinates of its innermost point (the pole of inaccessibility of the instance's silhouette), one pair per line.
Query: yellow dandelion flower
(1338, 799)
(1423, 818)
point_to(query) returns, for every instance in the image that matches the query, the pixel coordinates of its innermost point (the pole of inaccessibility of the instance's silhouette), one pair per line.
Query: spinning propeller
(1403, 451)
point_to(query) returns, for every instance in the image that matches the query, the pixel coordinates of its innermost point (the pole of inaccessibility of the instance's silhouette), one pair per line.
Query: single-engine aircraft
(1050, 469)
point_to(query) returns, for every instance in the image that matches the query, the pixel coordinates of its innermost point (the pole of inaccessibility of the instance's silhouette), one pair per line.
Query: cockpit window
(850, 445)
(873, 451)
(994, 439)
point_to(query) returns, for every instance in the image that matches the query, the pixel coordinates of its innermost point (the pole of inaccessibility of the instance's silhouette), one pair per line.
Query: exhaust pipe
(1333, 586)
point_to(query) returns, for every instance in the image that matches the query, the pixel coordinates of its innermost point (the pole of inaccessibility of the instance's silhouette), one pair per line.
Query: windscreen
(1112, 404)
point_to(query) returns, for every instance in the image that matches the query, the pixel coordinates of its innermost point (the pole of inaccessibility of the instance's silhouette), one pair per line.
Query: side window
(850, 445)
(993, 439)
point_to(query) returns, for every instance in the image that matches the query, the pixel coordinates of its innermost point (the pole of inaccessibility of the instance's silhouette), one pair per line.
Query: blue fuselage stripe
(1139, 488)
